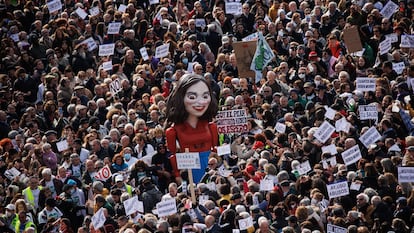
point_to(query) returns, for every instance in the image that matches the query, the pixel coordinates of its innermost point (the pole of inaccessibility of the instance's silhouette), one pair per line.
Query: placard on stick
(352, 39)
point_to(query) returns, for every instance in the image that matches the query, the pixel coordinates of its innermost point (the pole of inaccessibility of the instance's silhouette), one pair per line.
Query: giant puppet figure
(190, 109)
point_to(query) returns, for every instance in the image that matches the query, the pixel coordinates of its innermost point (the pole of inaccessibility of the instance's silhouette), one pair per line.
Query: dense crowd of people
(68, 112)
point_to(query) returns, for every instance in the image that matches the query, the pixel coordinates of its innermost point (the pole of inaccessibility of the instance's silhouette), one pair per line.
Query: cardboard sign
(81, 13)
(232, 121)
(131, 205)
(98, 219)
(370, 137)
(162, 51)
(166, 207)
(393, 37)
(62, 145)
(330, 113)
(338, 189)
(368, 112)
(331, 149)
(113, 28)
(352, 155)
(90, 42)
(224, 150)
(280, 127)
(329, 162)
(324, 132)
(94, 11)
(398, 67)
(107, 65)
(233, 8)
(245, 223)
(389, 9)
(405, 174)
(103, 174)
(304, 168)
(144, 53)
(407, 41)
(244, 52)
(352, 39)
(201, 23)
(335, 229)
(106, 50)
(384, 46)
(266, 185)
(54, 6)
(188, 160)
(365, 84)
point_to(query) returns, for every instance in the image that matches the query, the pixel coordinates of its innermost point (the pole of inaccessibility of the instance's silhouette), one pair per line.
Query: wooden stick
(190, 178)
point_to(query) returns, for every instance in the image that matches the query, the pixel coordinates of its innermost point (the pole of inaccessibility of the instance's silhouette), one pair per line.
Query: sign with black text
(232, 121)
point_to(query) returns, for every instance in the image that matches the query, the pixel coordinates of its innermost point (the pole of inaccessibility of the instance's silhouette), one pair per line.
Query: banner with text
(370, 137)
(352, 155)
(365, 84)
(188, 160)
(405, 174)
(338, 189)
(232, 121)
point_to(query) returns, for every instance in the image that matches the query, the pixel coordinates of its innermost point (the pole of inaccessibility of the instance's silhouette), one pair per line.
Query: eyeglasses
(211, 164)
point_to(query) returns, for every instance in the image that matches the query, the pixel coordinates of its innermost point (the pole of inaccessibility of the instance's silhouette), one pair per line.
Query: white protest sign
(245, 223)
(393, 37)
(15, 37)
(115, 86)
(81, 13)
(304, 168)
(211, 186)
(94, 11)
(352, 155)
(54, 6)
(190, 67)
(122, 8)
(405, 174)
(104, 173)
(162, 50)
(266, 185)
(153, 2)
(224, 150)
(280, 127)
(329, 162)
(370, 137)
(90, 42)
(201, 23)
(335, 229)
(331, 149)
(368, 112)
(398, 67)
(232, 121)
(222, 171)
(166, 207)
(338, 189)
(12, 173)
(389, 9)
(202, 199)
(144, 53)
(355, 186)
(407, 41)
(107, 65)
(62, 145)
(330, 113)
(365, 84)
(113, 28)
(236, 231)
(233, 8)
(384, 46)
(324, 132)
(359, 53)
(131, 205)
(342, 125)
(251, 37)
(188, 160)
(106, 49)
(98, 219)
(395, 147)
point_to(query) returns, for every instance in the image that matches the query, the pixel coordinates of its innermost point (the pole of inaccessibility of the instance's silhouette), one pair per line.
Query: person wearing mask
(9, 219)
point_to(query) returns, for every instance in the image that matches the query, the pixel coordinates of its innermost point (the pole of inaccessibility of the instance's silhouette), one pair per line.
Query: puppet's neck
(192, 121)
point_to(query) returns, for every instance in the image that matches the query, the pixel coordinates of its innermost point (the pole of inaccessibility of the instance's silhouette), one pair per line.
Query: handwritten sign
(106, 50)
(188, 160)
(132, 205)
(162, 50)
(338, 189)
(406, 174)
(54, 6)
(232, 121)
(324, 132)
(368, 112)
(245, 223)
(365, 84)
(280, 127)
(370, 137)
(107, 65)
(389, 9)
(113, 28)
(352, 155)
(224, 150)
(98, 219)
(335, 229)
(166, 207)
(398, 67)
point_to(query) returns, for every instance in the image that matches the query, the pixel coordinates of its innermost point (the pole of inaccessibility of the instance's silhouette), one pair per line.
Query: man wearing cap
(121, 185)
(9, 219)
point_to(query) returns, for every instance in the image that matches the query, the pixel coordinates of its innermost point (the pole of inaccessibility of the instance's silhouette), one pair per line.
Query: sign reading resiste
(188, 160)
(232, 121)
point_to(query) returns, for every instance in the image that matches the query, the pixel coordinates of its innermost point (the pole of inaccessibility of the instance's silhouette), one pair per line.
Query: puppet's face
(197, 99)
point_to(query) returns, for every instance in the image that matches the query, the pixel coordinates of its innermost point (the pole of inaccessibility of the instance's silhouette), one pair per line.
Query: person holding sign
(190, 108)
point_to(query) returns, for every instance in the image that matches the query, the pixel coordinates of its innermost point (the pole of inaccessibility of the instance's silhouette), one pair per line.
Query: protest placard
(330, 113)
(62, 145)
(280, 127)
(201, 23)
(115, 86)
(233, 8)
(224, 150)
(329, 162)
(370, 137)
(335, 229)
(406, 174)
(352, 155)
(53, 6)
(144, 53)
(251, 37)
(131, 205)
(188, 160)
(103, 174)
(342, 125)
(122, 8)
(365, 84)
(355, 186)
(166, 207)
(162, 51)
(407, 41)
(232, 121)
(331, 149)
(368, 112)
(398, 67)
(12, 173)
(222, 171)
(338, 189)
(94, 11)
(389, 9)
(324, 132)
(107, 65)
(81, 13)
(245, 223)
(113, 28)
(15, 37)
(304, 168)
(393, 37)
(202, 199)
(153, 2)
(244, 51)
(266, 185)
(106, 49)
(384, 46)
(352, 39)
(90, 43)
(98, 219)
